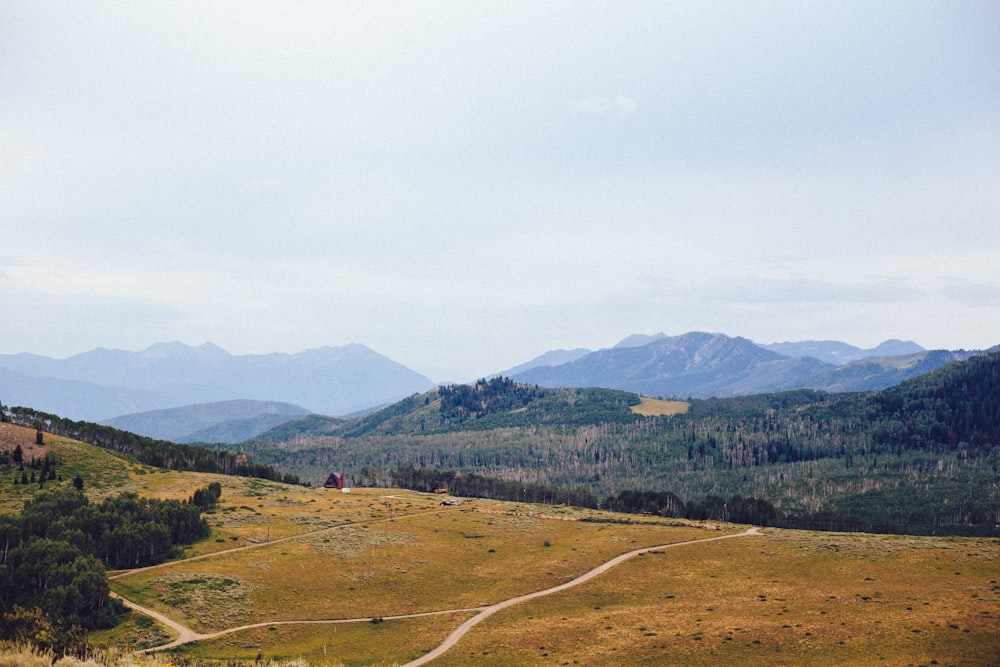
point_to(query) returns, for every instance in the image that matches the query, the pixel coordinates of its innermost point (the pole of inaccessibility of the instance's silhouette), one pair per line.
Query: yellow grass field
(654, 407)
(778, 598)
(311, 568)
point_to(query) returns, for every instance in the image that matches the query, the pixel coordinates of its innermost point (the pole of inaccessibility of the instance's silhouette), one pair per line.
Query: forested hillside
(160, 453)
(54, 555)
(922, 457)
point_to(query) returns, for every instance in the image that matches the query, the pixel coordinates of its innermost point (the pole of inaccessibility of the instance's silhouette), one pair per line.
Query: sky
(463, 186)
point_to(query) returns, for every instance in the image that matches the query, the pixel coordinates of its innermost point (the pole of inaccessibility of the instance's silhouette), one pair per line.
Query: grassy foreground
(280, 556)
(782, 597)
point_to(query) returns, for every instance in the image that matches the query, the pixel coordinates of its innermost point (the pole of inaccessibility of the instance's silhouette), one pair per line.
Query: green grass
(103, 472)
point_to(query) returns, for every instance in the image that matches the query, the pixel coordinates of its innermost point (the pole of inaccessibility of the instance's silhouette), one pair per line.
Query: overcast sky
(462, 186)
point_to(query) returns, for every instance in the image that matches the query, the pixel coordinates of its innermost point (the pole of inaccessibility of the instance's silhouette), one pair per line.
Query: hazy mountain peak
(330, 380)
(638, 340)
(706, 364)
(550, 358)
(837, 352)
(178, 349)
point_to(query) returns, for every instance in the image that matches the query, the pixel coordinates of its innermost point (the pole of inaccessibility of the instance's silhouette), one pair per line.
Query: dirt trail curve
(118, 574)
(186, 635)
(463, 629)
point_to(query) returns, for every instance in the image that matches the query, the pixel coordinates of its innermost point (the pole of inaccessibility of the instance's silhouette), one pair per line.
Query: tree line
(159, 453)
(472, 485)
(460, 402)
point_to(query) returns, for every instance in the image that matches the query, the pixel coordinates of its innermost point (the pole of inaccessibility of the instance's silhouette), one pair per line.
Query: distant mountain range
(702, 365)
(187, 394)
(828, 351)
(837, 353)
(225, 421)
(102, 384)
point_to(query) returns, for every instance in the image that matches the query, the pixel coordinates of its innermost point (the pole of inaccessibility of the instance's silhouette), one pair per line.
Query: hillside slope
(889, 458)
(225, 421)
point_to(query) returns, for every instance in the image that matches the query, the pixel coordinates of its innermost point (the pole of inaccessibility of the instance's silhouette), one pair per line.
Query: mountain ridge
(103, 384)
(839, 353)
(223, 421)
(700, 364)
(918, 455)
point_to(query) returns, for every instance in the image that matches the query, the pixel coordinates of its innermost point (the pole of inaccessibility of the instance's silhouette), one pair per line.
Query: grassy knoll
(784, 597)
(104, 472)
(652, 407)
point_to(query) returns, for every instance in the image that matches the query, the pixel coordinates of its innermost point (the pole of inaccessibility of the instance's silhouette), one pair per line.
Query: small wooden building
(334, 481)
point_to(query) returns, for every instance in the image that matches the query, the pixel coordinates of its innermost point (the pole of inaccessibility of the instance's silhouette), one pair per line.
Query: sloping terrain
(837, 460)
(226, 421)
(838, 353)
(401, 573)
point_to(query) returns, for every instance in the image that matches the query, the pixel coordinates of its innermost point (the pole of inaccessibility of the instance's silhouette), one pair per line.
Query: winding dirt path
(463, 629)
(117, 574)
(186, 635)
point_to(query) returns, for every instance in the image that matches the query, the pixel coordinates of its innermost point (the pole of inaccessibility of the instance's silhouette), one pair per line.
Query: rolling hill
(907, 458)
(225, 421)
(402, 572)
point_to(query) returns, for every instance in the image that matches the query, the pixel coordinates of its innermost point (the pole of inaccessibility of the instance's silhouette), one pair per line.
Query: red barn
(334, 481)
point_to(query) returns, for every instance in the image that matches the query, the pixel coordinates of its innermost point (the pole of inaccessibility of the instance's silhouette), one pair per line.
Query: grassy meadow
(781, 597)
(651, 407)
(307, 570)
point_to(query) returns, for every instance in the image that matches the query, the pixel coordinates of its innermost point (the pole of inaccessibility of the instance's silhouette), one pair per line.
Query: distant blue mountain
(550, 358)
(559, 357)
(837, 353)
(224, 421)
(638, 340)
(704, 364)
(102, 384)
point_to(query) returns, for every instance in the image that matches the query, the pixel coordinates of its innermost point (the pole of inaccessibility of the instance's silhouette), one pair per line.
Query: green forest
(55, 553)
(921, 457)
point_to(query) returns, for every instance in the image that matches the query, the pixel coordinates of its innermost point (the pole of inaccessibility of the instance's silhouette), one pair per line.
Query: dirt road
(463, 629)
(186, 635)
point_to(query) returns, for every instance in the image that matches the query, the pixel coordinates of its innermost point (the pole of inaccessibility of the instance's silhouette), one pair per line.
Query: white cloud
(460, 183)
